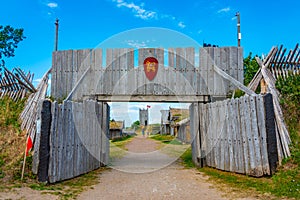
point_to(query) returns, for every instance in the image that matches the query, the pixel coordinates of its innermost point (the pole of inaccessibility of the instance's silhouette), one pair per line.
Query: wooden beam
(233, 81)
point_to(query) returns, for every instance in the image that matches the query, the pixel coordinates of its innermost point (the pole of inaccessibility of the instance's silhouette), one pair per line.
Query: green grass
(9, 113)
(117, 147)
(163, 138)
(70, 189)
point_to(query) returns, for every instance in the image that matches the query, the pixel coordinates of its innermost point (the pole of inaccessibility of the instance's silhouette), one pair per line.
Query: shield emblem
(150, 67)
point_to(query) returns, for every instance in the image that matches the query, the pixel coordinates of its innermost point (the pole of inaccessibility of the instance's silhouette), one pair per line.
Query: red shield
(150, 67)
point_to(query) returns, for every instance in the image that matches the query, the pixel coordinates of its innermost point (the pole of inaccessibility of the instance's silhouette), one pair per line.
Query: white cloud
(138, 10)
(181, 24)
(136, 43)
(141, 12)
(52, 5)
(224, 10)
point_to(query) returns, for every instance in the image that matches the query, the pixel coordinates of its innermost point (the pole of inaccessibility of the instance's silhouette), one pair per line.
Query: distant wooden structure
(182, 130)
(116, 129)
(170, 117)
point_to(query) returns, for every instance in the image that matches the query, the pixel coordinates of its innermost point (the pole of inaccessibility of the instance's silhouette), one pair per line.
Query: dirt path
(170, 182)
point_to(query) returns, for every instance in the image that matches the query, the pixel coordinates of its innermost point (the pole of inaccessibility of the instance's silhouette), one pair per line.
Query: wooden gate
(73, 139)
(236, 135)
(184, 74)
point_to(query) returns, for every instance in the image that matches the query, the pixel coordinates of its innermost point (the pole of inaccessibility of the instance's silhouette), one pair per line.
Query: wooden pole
(24, 161)
(56, 35)
(239, 35)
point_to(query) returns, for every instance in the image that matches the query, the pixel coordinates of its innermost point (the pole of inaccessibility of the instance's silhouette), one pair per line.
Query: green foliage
(2, 174)
(135, 124)
(9, 40)
(9, 112)
(290, 101)
(250, 68)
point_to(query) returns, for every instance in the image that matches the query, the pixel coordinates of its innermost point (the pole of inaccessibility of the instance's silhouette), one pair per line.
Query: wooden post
(56, 35)
(263, 86)
(44, 149)
(271, 133)
(239, 35)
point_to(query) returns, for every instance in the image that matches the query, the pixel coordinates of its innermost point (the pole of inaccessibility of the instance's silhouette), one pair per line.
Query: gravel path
(170, 182)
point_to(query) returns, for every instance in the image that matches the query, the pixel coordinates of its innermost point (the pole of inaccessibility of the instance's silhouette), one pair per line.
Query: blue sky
(86, 24)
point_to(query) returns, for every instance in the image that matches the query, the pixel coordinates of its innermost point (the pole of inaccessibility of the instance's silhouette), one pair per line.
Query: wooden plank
(210, 134)
(190, 71)
(130, 86)
(104, 135)
(180, 70)
(272, 145)
(60, 143)
(232, 140)
(171, 69)
(70, 147)
(98, 86)
(227, 136)
(216, 55)
(80, 128)
(249, 135)
(53, 144)
(244, 138)
(222, 126)
(202, 73)
(195, 133)
(107, 87)
(262, 134)
(257, 171)
(213, 120)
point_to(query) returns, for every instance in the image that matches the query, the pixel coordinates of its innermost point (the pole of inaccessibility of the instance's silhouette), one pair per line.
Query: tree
(9, 40)
(135, 124)
(250, 68)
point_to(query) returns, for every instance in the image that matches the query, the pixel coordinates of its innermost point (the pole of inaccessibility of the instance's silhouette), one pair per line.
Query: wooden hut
(170, 117)
(116, 129)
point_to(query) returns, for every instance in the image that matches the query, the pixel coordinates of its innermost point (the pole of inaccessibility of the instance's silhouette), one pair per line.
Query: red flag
(148, 106)
(28, 145)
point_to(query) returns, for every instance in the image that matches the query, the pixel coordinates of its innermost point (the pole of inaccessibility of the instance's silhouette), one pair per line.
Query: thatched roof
(116, 124)
(178, 114)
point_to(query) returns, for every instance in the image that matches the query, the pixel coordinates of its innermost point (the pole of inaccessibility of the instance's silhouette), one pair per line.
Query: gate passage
(80, 74)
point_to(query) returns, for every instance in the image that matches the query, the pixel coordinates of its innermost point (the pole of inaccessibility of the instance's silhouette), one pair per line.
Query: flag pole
(24, 161)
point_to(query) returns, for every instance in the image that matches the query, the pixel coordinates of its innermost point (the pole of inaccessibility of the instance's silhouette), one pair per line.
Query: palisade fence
(236, 135)
(72, 140)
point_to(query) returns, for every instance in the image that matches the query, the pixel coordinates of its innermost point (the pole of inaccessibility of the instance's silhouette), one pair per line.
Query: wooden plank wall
(119, 76)
(78, 140)
(231, 135)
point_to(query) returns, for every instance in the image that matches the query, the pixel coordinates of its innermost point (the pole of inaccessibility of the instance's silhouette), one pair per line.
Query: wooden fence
(73, 139)
(78, 73)
(15, 84)
(236, 135)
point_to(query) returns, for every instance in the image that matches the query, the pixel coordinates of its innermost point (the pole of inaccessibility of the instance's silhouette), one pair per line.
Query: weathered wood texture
(232, 135)
(283, 64)
(15, 83)
(77, 139)
(78, 73)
